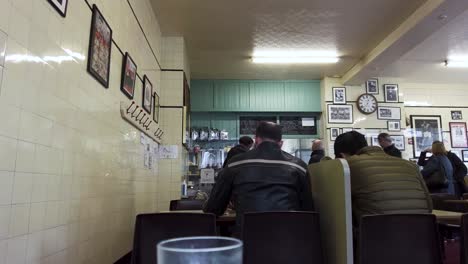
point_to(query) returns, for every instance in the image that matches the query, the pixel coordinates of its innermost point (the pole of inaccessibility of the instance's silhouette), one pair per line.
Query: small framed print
(458, 134)
(156, 107)
(99, 52)
(457, 115)
(346, 129)
(129, 75)
(391, 93)
(393, 126)
(465, 155)
(147, 94)
(334, 133)
(339, 95)
(399, 141)
(340, 114)
(375, 141)
(372, 86)
(389, 113)
(60, 6)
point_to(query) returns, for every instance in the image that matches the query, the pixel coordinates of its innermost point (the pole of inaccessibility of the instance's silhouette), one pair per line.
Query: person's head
(438, 148)
(384, 140)
(348, 144)
(268, 131)
(317, 145)
(246, 141)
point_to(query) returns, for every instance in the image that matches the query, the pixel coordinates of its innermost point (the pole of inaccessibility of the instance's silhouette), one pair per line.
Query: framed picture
(334, 133)
(340, 114)
(447, 140)
(99, 52)
(391, 93)
(156, 107)
(60, 6)
(399, 141)
(457, 115)
(375, 141)
(147, 94)
(372, 86)
(426, 129)
(465, 155)
(129, 75)
(346, 129)
(389, 113)
(393, 126)
(339, 95)
(458, 134)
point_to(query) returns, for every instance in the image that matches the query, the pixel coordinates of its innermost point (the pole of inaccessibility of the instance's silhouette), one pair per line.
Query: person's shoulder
(294, 159)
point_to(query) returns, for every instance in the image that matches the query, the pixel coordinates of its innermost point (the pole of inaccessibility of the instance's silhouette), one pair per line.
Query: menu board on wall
(298, 125)
(248, 124)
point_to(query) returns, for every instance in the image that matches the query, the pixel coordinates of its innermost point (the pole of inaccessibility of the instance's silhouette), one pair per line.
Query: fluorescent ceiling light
(294, 56)
(285, 60)
(456, 64)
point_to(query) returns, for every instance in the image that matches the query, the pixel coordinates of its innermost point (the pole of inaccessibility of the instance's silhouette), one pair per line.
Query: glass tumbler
(200, 250)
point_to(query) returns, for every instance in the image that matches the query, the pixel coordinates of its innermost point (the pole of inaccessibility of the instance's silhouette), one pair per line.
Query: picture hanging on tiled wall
(99, 53)
(129, 76)
(60, 6)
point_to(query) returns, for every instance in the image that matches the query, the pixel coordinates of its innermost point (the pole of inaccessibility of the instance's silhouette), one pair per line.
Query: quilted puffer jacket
(382, 184)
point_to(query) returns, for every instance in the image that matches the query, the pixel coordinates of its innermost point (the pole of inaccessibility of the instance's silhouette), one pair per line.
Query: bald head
(317, 145)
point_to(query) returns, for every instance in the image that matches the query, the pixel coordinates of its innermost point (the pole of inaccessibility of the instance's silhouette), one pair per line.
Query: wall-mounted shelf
(141, 120)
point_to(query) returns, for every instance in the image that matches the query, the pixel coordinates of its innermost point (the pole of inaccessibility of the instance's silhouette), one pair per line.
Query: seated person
(263, 179)
(381, 184)
(245, 143)
(318, 153)
(385, 141)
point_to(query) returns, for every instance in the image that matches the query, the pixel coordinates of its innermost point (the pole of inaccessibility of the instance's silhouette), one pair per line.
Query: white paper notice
(168, 152)
(207, 176)
(142, 138)
(308, 122)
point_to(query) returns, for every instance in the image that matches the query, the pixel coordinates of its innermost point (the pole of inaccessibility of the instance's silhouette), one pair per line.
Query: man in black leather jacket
(263, 179)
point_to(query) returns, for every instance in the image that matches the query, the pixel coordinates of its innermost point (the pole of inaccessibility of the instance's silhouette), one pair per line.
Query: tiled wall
(71, 170)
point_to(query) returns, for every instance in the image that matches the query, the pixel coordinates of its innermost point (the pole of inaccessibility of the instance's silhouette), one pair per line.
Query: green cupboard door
(266, 96)
(302, 96)
(201, 94)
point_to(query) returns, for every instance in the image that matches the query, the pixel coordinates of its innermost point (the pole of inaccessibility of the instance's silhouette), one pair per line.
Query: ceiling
(222, 35)
(424, 63)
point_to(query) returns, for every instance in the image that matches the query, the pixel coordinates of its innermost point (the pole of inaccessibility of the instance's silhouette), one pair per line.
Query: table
(447, 217)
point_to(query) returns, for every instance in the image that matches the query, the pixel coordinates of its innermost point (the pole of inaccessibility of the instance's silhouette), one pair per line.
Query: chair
(281, 237)
(465, 196)
(439, 198)
(186, 204)
(150, 229)
(399, 238)
(464, 240)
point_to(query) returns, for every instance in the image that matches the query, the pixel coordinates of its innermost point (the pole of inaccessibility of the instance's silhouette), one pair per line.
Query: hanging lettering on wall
(60, 6)
(99, 53)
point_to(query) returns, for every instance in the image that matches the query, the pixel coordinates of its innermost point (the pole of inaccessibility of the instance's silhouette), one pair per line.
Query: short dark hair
(349, 143)
(384, 136)
(269, 130)
(246, 141)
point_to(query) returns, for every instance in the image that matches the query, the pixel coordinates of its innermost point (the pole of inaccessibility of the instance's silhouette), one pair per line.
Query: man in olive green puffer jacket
(381, 184)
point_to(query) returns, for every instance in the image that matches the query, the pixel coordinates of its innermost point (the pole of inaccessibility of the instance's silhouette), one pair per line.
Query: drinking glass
(200, 250)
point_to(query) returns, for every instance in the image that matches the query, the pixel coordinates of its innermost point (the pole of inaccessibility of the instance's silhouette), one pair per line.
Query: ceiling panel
(221, 35)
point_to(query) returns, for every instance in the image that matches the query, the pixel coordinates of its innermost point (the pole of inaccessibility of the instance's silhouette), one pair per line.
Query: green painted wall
(255, 96)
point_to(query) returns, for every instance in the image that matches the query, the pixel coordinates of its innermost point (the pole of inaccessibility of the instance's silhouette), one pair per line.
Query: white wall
(71, 170)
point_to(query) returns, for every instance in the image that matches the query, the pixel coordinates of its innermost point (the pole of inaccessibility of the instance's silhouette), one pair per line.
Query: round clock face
(367, 104)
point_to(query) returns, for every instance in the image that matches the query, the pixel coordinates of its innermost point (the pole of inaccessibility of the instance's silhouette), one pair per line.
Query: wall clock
(367, 104)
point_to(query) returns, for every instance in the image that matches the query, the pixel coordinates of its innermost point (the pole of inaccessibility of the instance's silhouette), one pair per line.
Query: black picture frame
(465, 156)
(343, 100)
(93, 63)
(379, 117)
(124, 83)
(147, 95)
(61, 8)
(456, 114)
(402, 138)
(347, 121)
(429, 118)
(332, 136)
(392, 129)
(372, 86)
(391, 98)
(156, 108)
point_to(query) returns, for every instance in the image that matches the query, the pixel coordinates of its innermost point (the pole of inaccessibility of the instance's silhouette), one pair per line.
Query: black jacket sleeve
(306, 194)
(459, 168)
(220, 194)
(316, 156)
(422, 159)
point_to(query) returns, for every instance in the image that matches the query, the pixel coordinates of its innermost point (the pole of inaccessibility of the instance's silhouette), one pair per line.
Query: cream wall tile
(19, 220)
(39, 188)
(5, 15)
(19, 27)
(22, 188)
(8, 148)
(51, 219)
(16, 253)
(34, 248)
(25, 157)
(6, 187)
(3, 251)
(5, 215)
(37, 218)
(9, 117)
(3, 42)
